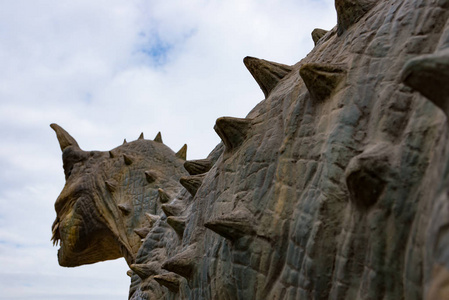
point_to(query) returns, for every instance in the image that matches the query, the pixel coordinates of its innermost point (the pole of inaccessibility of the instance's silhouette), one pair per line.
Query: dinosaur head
(103, 204)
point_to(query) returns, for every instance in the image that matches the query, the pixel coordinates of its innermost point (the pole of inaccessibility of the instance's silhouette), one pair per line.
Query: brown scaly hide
(335, 186)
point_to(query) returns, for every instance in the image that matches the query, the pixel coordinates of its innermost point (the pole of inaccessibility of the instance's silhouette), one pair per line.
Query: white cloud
(87, 65)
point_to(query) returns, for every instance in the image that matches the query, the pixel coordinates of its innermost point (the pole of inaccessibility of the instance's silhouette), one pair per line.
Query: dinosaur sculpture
(335, 186)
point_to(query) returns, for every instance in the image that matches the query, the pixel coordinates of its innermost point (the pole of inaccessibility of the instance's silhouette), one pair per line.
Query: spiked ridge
(182, 153)
(158, 137)
(141, 136)
(142, 232)
(172, 209)
(350, 11)
(163, 196)
(266, 73)
(152, 218)
(150, 176)
(124, 208)
(232, 131)
(321, 79)
(111, 185)
(183, 263)
(178, 224)
(192, 183)
(145, 270)
(429, 75)
(233, 226)
(128, 160)
(196, 167)
(317, 34)
(169, 280)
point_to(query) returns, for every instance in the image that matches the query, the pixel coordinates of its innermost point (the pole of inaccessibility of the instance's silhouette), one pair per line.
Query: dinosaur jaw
(83, 239)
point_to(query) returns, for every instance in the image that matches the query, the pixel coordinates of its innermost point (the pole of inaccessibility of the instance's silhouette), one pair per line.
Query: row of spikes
(233, 226)
(182, 153)
(320, 79)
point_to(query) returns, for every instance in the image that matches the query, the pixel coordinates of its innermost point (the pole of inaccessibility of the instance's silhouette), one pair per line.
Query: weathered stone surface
(345, 198)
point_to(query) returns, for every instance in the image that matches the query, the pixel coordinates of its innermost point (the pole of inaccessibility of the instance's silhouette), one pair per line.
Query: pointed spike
(266, 73)
(169, 280)
(178, 224)
(125, 142)
(158, 137)
(163, 196)
(192, 183)
(64, 138)
(196, 167)
(317, 34)
(124, 208)
(111, 154)
(142, 232)
(145, 270)
(233, 226)
(321, 79)
(172, 209)
(128, 160)
(350, 12)
(183, 263)
(150, 176)
(152, 218)
(111, 185)
(129, 273)
(141, 136)
(182, 153)
(232, 131)
(429, 75)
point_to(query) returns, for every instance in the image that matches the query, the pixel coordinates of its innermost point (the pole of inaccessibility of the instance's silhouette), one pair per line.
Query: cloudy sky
(106, 70)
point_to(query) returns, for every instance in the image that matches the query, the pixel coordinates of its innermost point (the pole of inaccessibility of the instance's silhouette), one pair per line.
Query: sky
(106, 70)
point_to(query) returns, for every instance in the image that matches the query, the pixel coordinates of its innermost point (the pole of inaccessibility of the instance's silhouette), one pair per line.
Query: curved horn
(64, 138)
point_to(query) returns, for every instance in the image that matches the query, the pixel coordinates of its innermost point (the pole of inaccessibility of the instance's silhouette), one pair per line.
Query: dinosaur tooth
(178, 224)
(64, 138)
(141, 136)
(196, 167)
(125, 142)
(163, 196)
(320, 79)
(317, 34)
(142, 232)
(169, 280)
(124, 208)
(150, 176)
(128, 160)
(158, 137)
(172, 209)
(232, 131)
(350, 12)
(237, 224)
(145, 270)
(266, 73)
(152, 218)
(429, 75)
(182, 153)
(111, 185)
(192, 183)
(183, 263)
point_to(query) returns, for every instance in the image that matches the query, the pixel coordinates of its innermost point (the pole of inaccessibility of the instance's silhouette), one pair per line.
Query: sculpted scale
(335, 186)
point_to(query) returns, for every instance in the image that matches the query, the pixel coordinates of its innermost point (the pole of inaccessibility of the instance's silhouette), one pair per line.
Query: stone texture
(341, 198)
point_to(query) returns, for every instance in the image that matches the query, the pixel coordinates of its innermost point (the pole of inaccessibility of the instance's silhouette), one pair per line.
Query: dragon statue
(335, 186)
